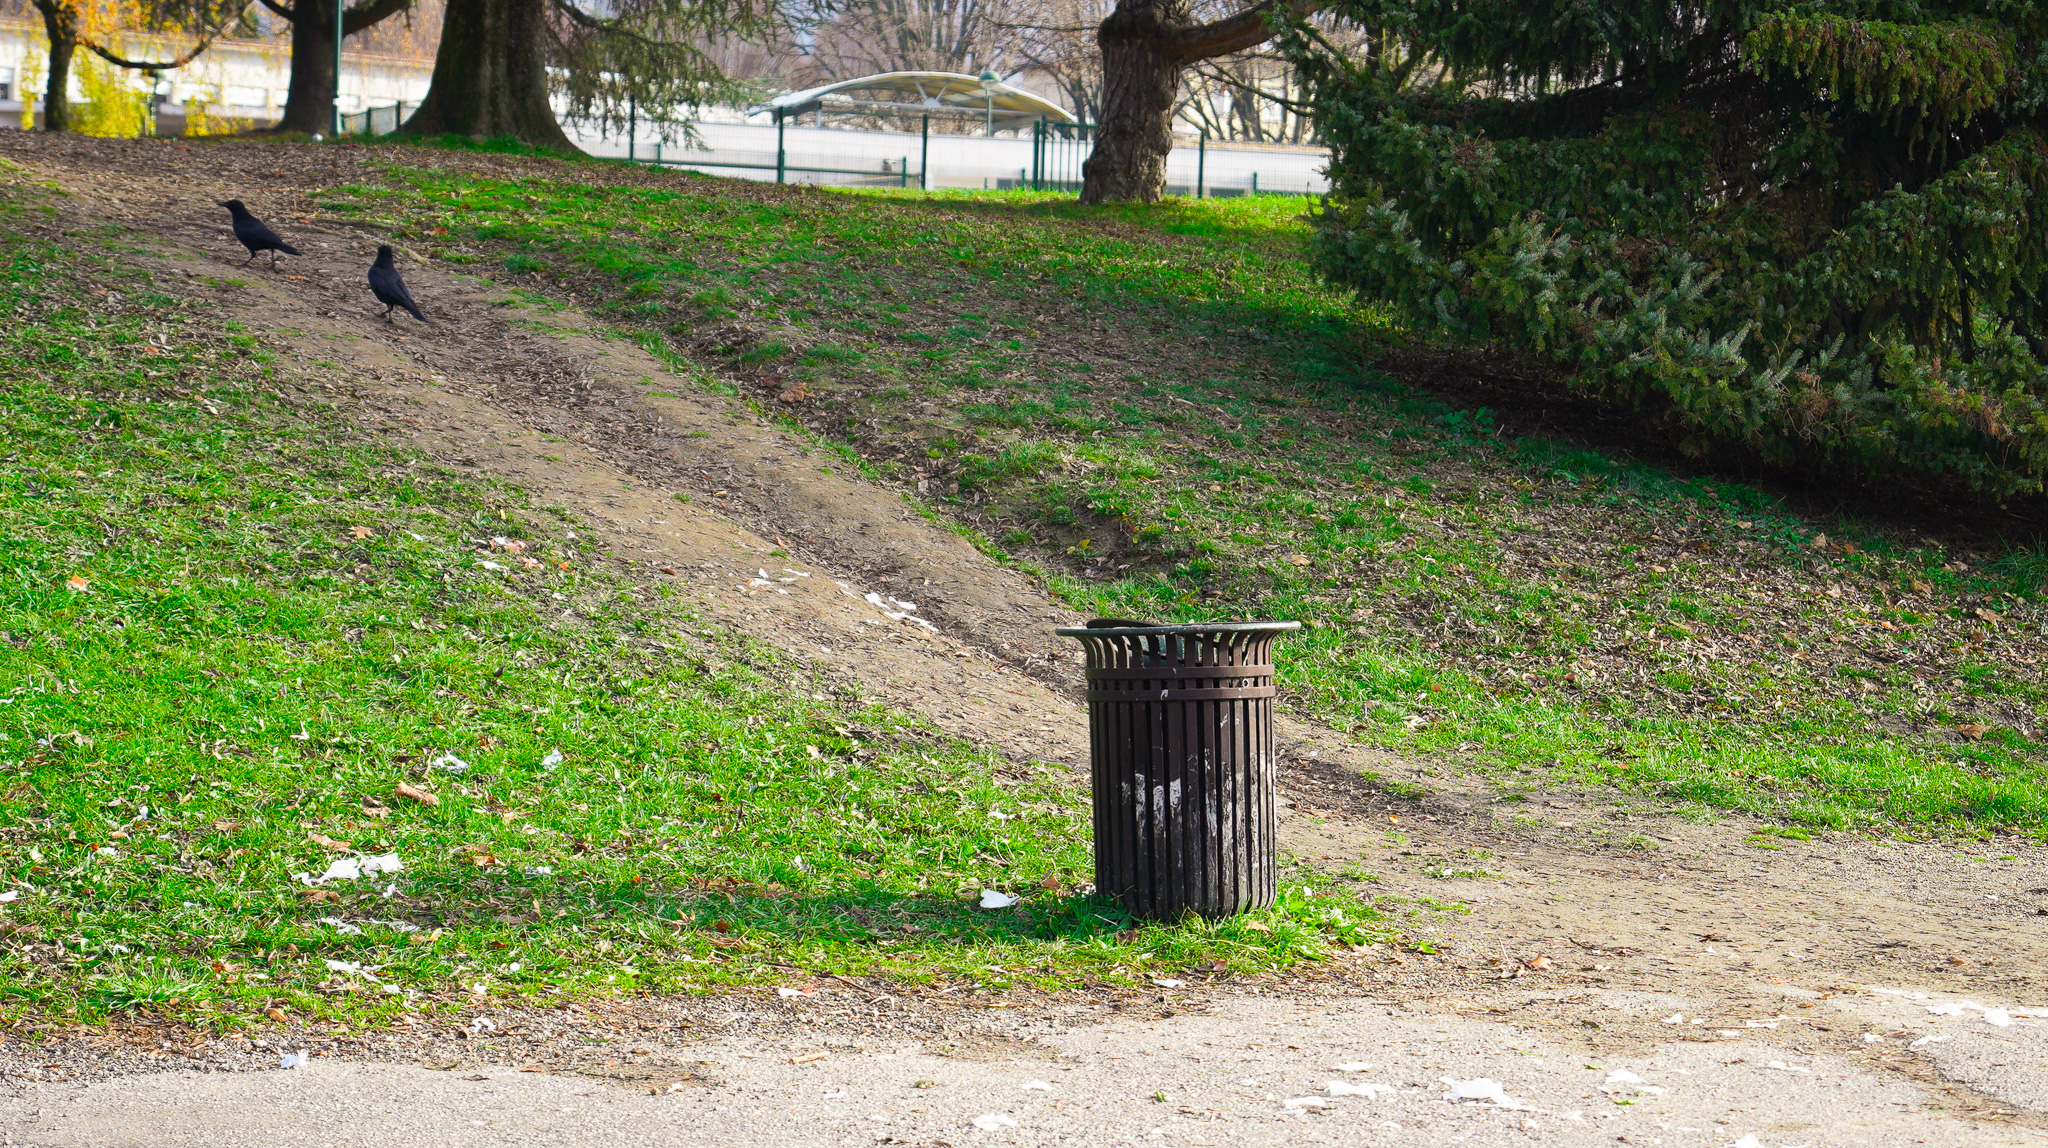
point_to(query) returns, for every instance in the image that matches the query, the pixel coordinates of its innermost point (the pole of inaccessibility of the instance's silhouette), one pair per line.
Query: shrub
(1811, 236)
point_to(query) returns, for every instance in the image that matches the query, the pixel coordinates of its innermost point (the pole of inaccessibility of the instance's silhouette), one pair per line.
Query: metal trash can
(1180, 722)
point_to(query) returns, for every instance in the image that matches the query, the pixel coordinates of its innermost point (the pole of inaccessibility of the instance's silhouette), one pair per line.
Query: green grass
(230, 628)
(1162, 410)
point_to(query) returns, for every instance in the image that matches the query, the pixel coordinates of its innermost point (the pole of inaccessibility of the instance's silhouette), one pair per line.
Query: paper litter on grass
(993, 899)
(9, 895)
(553, 759)
(294, 1059)
(449, 762)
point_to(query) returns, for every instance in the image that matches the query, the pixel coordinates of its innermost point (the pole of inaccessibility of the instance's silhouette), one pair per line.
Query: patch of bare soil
(1540, 910)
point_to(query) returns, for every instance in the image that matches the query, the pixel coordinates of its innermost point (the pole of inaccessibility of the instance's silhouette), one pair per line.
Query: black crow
(389, 288)
(255, 235)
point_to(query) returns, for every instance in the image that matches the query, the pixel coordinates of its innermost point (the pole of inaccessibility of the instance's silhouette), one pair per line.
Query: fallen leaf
(319, 894)
(1973, 732)
(794, 393)
(327, 842)
(413, 793)
(808, 1058)
(277, 1014)
(75, 582)
(1539, 962)
(362, 532)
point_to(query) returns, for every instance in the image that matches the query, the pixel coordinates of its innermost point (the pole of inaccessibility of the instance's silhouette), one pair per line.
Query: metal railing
(376, 121)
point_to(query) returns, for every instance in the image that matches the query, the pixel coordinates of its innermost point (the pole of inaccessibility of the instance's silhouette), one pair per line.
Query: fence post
(903, 173)
(924, 156)
(779, 161)
(1037, 145)
(1201, 161)
(1255, 183)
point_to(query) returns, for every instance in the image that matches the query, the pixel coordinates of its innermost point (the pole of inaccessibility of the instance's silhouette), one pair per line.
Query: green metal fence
(376, 121)
(1057, 153)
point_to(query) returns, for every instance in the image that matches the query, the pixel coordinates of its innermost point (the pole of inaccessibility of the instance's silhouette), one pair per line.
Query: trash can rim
(1194, 628)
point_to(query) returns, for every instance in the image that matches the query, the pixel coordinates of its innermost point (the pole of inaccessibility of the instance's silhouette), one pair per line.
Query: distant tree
(500, 61)
(103, 26)
(1811, 233)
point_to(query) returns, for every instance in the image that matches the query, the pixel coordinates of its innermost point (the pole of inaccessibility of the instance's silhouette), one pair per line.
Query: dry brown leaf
(1540, 963)
(794, 393)
(277, 1014)
(413, 793)
(362, 532)
(320, 894)
(1973, 732)
(327, 842)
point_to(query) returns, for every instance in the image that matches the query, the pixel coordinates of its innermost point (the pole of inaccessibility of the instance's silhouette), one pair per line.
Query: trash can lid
(1121, 627)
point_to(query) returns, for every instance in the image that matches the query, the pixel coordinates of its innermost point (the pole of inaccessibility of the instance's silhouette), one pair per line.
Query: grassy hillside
(231, 630)
(1161, 409)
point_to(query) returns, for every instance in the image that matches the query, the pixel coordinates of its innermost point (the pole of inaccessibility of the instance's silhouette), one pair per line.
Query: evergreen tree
(1809, 232)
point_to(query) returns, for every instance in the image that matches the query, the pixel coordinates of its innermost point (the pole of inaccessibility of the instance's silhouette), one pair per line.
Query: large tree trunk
(309, 106)
(60, 24)
(1140, 78)
(1145, 44)
(490, 76)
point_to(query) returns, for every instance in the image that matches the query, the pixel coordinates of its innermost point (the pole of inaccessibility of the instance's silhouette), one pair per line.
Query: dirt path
(1589, 924)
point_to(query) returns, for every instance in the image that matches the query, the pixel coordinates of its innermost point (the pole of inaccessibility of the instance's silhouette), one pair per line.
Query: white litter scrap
(1168, 982)
(1341, 1088)
(1781, 1066)
(1480, 1089)
(553, 759)
(992, 1121)
(1927, 1040)
(1037, 1086)
(1353, 1066)
(1297, 1103)
(294, 1059)
(897, 610)
(489, 565)
(449, 762)
(9, 895)
(994, 899)
(342, 927)
(1993, 1014)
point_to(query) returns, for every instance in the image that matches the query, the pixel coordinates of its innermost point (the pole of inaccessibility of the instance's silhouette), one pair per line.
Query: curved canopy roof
(913, 92)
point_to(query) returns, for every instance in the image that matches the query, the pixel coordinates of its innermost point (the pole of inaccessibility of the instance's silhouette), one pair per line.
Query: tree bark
(1140, 78)
(1145, 44)
(60, 25)
(309, 106)
(490, 76)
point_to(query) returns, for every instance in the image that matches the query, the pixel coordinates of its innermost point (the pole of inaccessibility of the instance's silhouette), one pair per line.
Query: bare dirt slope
(1589, 924)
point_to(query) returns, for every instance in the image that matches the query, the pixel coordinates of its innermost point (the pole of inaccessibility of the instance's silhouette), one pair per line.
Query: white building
(236, 80)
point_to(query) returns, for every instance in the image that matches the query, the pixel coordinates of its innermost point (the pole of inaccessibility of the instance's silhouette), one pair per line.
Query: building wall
(237, 79)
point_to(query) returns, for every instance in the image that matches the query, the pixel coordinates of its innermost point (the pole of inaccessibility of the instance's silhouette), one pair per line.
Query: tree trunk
(1145, 44)
(309, 106)
(60, 24)
(490, 76)
(1140, 78)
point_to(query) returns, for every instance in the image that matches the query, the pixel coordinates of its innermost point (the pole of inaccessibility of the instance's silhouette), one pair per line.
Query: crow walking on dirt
(255, 235)
(389, 288)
